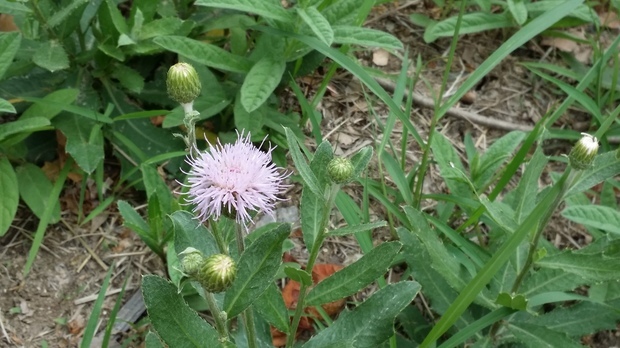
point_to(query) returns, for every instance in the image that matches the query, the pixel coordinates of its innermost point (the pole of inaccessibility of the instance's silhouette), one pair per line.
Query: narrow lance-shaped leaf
(261, 81)
(597, 216)
(10, 194)
(317, 23)
(9, 44)
(266, 8)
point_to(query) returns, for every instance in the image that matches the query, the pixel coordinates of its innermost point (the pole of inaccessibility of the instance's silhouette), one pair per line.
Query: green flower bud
(582, 154)
(340, 170)
(183, 83)
(192, 261)
(217, 273)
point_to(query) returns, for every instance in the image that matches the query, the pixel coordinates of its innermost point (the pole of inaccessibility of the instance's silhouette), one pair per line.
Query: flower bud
(217, 273)
(183, 83)
(582, 154)
(192, 261)
(340, 170)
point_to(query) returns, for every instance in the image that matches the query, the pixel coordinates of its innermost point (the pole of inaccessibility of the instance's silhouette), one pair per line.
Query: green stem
(220, 323)
(247, 315)
(219, 239)
(316, 247)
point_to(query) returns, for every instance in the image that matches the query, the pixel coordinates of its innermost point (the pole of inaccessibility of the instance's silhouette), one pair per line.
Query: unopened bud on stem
(217, 273)
(583, 153)
(183, 83)
(340, 170)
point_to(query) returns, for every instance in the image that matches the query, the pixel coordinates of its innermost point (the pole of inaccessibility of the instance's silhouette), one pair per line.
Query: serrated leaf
(19, 126)
(34, 189)
(84, 140)
(64, 12)
(317, 23)
(605, 166)
(356, 276)
(176, 324)
(594, 267)
(271, 307)
(14, 8)
(256, 269)
(51, 56)
(370, 323)
(365, 37)
(10, 195)
(540, 336)
(261, 81)
(204, 53)
(9, 44)
(471, 23)
(597, 216)
(266, 8)
(129, 78)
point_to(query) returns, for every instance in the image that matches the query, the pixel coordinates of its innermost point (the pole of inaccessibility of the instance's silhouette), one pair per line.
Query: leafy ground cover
(53, 301)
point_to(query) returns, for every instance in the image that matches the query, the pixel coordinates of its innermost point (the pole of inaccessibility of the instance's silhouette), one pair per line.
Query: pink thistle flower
(238, 178)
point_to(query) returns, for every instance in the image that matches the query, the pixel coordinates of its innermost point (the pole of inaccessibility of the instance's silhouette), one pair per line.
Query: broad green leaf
(261, 81)
(312, 208)
(605, 166)
(51, 56)
(352, 229)
(84, 140)
(518, 10)
(117, 17)
(298, 275)
(597, 216)
(155, 184)
(189, 232)
(500, 212)
(204, 53)
(6, 106)
(250, 121)
(176, 324)
(23, 126)
(317, 23)
(370, 323)
(66, 106)
(471, 23)
(129, 78)
(547, 279)
(525, 194)
(13, 8)
(10, 195)
(576, 320)
(342, 12)
(136, 223)
(271, 307)
(35, 189)
(594, 267)
(540, 336)
(266, 8)
(152, 341)
(52, 104)
(356, 276)
(160, 27)
(447, 159)
(9, 44)
(256, 270)
(494, 157)
(365, 37)
(64, 12)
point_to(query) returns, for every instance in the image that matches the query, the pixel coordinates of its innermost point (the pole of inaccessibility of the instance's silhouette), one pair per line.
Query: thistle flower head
(582, 154)
(183, 83)
(235, 179)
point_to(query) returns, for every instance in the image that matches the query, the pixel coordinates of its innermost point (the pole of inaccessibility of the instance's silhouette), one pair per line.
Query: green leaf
(64, 12)
(500, 212)
(204, 53)
(152, 341)
(605, 166)
(494, 157)
(448, 159)
(9, 44)
(84, 140)
(190, 232)
(176, 324)
(601, 217)
(6, 106)
(356, 276)
(518, 302)
(52, 104)
(360, 160)
(595, 267)
(13, 8)
(313, 204)
(135, 222)
(540, 336)
(370, 323)
(51, 56)
(518, 10)
(10, 195)
(525, 194)
(307, 174)
(261, 81)
(23, 126)
(266, 8)
(129, 78)
(160, 27)
(298, 275)
(256, 269)
(317, 23)
(250, 121)
(35, 189)
(271, 307)
(547, 279)
(344, 34)
(471, 23)
(351, 229)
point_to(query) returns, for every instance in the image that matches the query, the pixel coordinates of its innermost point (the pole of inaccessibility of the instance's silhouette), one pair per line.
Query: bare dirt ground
(52, 305)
